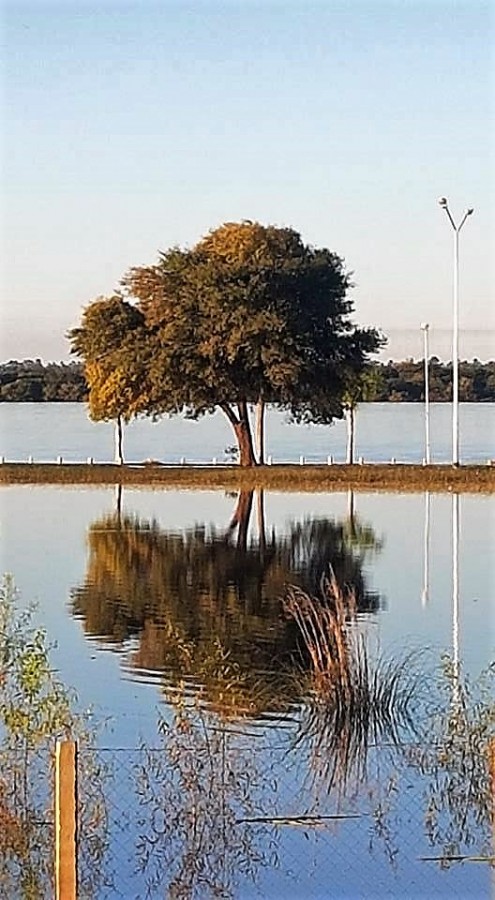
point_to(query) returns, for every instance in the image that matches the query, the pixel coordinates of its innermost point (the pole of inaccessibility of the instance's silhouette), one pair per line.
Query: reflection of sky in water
(44, 544)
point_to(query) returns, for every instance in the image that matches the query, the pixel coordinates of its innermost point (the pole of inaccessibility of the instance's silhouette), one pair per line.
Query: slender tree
(361, 387)
(116, 352)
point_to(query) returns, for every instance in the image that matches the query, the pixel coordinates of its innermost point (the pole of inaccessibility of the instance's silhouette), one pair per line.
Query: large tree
(250, 315)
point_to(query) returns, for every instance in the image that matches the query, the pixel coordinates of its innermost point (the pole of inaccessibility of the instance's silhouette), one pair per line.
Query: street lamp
(425, 329)
(455, 330)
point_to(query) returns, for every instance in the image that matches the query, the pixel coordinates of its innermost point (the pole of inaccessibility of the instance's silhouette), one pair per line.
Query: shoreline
(277, 477)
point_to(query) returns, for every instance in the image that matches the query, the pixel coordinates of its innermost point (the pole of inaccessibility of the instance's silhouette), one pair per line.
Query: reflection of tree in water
(208, 601)
(200, 792)
(456, 762)
(430, 733)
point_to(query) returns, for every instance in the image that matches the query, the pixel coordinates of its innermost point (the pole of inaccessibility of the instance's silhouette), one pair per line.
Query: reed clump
(357, 700)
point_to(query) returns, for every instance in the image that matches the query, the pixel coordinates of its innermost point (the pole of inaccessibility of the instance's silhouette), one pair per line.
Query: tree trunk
(241, 518)
(351, 512)
(260, 431)
(118, 504)
(119, 456)
(260, 509)
(350, 415)
(242, 429)
(244, 437)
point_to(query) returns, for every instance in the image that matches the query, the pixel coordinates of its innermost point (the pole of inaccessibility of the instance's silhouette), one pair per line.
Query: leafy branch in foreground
(200, 791)
(35, 709)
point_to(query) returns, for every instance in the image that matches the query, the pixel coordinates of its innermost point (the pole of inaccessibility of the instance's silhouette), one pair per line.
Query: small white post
(182, 461)
(90, 460)
(214, 461)
(2, 460)
(329, 460)
(393, 460)
(59, 460)
(360, 461)
(30, 460)
(269, 460)
(301, 460)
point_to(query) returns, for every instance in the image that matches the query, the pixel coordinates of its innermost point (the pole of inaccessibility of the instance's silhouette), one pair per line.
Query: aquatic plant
(355, 701)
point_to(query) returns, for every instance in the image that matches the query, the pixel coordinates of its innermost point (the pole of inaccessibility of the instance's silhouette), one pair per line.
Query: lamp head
(443, 202)
(469, 212)
(424, 326)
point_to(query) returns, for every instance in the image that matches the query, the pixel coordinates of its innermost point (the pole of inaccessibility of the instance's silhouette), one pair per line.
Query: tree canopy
(250, 312)
(115, 347)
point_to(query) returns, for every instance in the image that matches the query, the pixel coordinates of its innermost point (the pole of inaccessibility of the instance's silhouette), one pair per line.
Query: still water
(384, 430)
(153, 595)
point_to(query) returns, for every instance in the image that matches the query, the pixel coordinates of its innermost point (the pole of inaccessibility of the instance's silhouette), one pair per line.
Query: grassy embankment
(385, 477)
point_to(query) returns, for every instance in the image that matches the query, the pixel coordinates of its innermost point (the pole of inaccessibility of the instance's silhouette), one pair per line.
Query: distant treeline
(32, 381)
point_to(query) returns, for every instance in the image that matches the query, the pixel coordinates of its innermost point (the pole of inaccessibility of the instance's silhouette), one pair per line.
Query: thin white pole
(425, 327)
(455, 355)
(455, 330)
(426, 553)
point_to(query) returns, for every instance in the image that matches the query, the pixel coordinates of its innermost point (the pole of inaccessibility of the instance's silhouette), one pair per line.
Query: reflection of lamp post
(455, 330)
(455, 595)
(425, 329)
(426, 555)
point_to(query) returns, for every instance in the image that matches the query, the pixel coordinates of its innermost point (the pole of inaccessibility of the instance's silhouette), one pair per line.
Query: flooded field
(247, 740)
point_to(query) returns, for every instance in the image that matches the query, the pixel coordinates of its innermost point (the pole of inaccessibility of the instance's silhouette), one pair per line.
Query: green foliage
(362, 387)
(405, 381)
(35, 710)
(32, 381)
(251, 312)
(116, 351)
(34, 705)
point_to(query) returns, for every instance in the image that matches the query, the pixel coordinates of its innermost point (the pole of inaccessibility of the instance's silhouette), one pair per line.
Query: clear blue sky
(131, 126)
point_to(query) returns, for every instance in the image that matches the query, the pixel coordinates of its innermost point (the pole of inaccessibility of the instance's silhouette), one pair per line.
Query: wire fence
(226, 812)
(225, 815)
(27, 822)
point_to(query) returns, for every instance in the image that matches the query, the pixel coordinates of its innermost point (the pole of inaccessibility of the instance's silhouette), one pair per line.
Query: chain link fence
(225, 814)
(229, 811)
(27, 832)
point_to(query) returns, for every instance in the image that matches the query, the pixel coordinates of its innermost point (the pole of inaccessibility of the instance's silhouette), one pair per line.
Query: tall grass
(356, 701)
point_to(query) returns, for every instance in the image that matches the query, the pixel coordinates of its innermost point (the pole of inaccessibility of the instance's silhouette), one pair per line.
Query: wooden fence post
(66, 820)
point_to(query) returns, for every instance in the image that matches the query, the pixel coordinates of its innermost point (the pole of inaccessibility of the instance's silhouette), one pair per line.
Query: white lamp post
(455, 598)
(425, 329)
(455, 330)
